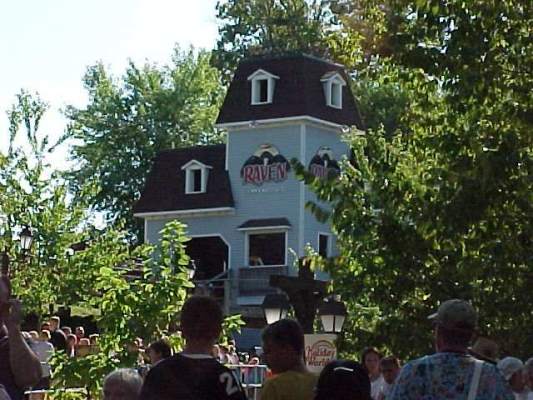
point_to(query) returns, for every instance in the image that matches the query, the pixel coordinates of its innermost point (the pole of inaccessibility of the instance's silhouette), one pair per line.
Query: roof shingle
(298, 92)
(165, 185)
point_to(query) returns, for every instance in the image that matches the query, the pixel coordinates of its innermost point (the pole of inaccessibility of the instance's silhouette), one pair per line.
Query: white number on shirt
(231, 386)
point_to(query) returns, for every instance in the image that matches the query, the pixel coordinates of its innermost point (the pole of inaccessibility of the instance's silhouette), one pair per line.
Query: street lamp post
(275, 306)
(305, 294)
(5, 263)
(26, 239)
(191, 270)
(332, 313)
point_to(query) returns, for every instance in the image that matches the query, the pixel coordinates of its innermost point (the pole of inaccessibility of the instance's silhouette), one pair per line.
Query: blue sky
(46, 45)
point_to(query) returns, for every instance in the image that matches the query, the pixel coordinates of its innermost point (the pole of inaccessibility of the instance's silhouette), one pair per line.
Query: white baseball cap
(509, 366)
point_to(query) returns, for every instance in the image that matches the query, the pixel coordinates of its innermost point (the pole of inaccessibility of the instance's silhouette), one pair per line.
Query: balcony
(254, 281)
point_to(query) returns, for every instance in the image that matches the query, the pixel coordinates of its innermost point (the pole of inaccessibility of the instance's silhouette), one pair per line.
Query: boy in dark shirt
(194, 374)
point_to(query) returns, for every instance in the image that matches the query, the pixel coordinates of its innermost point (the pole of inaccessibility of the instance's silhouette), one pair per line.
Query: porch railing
(254, 281)
(218, 287)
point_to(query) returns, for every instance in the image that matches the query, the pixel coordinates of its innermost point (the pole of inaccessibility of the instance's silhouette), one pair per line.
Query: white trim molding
(301, 216)
(256, 96)
(267, 229)
(199, 212)
(146, 231)
(190, 168)
(226, 160)
(285, 120)
(264, 230)
(195, 163)
(262, 73)
(333, 82)
(207, 235)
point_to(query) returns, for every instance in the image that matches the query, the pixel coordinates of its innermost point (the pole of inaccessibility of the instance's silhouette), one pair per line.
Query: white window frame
(191, 166)
(329, 246)
(260, 231)
(255, 78)
(329, 81)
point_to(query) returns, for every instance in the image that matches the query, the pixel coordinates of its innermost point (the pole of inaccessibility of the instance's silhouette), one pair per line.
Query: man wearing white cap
(451, 373)
(512, 370)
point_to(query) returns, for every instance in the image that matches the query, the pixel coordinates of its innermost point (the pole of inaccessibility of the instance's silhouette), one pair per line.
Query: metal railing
(255, 280)
(51, 394)
(218, 286)
(251, 378)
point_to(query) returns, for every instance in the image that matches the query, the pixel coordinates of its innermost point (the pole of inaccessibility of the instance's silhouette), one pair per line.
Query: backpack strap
(472, 394)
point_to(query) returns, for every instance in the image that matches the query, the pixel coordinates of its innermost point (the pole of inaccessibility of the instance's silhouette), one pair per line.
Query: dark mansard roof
(165, 186)
(298, 92)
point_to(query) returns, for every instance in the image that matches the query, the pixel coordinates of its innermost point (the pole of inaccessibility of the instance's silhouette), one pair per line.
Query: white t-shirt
(43, 351)
(376, 387)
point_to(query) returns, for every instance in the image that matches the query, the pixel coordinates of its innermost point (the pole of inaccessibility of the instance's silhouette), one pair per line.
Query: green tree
(381, 99)
(128, 121)
(32, 195)
(338, 30)
(271, 26)
(445, 209)
(128, 308)
(95, 275)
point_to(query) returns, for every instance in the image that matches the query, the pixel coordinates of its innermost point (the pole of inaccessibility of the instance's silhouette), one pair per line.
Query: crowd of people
(54, 337)
(205, 370)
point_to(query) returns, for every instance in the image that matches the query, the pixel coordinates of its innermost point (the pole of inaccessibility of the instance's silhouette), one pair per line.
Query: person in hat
(343, 380)
(512, 370)
(485, 349)
(451, 373)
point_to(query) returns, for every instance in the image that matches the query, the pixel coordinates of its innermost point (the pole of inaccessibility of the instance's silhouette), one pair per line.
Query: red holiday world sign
(320, 349)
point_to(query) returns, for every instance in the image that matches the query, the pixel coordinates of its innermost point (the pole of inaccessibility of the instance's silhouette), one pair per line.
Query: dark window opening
(323, 245)
(197, 180)
(267, 249)
(263, 90)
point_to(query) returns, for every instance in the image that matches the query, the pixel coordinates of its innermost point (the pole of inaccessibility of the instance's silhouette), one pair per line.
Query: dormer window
(195, 180)
(196, 174)
(332, 83)
(262, 87)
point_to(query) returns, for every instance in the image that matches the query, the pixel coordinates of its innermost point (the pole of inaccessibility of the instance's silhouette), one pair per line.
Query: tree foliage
(255, 27)
(72, 264)
(128, 120)
(147, 307)
(445, 208)
(32, 195)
